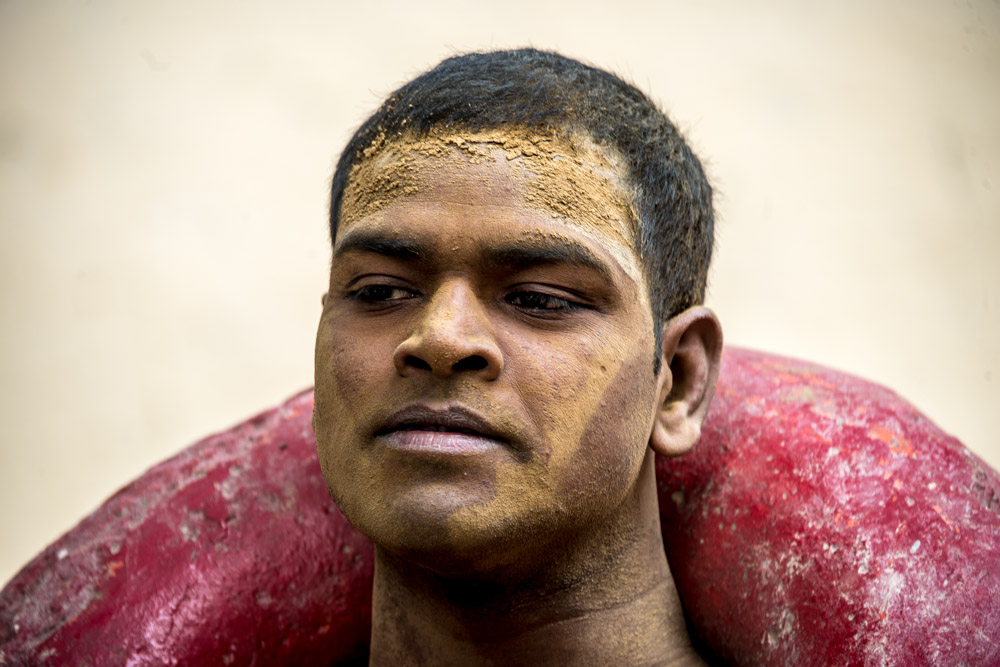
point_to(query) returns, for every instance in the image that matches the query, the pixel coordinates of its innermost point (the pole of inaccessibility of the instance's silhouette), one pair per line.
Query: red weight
(230, 552)
(821, 520)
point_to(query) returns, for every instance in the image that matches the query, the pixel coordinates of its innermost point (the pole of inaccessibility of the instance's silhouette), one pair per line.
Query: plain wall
(164, 168)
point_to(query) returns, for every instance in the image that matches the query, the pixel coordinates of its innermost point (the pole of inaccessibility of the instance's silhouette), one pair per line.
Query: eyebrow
(520, 255)
(375, 242)
(534, 253)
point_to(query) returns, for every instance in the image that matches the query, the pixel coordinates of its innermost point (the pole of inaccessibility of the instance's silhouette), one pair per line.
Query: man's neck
(608, 601)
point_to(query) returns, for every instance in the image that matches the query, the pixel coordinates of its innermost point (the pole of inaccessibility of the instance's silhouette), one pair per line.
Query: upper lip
(456, 418)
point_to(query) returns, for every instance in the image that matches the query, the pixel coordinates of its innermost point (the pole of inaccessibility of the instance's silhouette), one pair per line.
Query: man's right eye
(380, 294)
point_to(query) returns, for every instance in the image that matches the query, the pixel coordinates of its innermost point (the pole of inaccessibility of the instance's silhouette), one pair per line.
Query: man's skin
(487, 413)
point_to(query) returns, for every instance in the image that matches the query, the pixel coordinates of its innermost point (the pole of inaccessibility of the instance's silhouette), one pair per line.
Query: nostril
(471, 363)
(417, 362)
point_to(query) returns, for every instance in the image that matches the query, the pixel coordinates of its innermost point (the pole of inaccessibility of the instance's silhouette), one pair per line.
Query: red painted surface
(821, 520)
(229, 553)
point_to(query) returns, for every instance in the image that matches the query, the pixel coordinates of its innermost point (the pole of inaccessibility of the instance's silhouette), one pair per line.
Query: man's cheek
(347, 363)
(614, 439)
(568, 387)
(340, 381)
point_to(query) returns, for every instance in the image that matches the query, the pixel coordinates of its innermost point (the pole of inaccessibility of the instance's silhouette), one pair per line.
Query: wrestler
(512, 333)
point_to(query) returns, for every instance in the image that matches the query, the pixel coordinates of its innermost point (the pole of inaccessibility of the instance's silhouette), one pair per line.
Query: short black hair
(544, 91)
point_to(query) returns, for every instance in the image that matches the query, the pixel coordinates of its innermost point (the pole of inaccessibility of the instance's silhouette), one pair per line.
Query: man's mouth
(451, 429)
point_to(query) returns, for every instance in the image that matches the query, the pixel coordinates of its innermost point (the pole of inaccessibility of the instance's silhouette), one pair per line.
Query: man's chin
(445, 542)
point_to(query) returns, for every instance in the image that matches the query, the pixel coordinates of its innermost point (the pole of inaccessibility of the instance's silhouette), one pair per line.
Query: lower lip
(441, 442)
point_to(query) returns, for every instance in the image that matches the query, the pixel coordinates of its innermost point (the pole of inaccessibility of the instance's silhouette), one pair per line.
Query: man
(512, 332)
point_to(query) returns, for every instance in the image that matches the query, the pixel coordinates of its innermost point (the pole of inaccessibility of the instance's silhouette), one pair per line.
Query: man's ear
(692, 348)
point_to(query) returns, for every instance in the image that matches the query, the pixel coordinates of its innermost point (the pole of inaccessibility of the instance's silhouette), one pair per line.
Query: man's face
(484, 384)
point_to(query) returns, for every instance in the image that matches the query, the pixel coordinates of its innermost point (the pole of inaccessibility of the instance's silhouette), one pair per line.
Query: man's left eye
(539, 301)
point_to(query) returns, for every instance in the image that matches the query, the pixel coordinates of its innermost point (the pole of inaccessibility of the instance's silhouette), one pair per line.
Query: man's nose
(452, 334)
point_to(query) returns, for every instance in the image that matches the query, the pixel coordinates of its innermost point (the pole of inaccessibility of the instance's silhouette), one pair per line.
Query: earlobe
(692, 349)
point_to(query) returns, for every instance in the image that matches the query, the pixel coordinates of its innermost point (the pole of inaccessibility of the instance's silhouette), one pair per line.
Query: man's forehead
(565, 176)
(438, 230)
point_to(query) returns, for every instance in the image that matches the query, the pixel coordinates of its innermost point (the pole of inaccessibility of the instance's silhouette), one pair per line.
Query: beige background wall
(163, 185)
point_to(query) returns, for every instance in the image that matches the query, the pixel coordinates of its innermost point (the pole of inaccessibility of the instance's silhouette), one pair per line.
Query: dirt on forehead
(568, 177)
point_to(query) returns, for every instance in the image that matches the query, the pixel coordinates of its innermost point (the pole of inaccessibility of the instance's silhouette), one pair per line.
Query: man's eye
(539, 301)
(380, 294)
